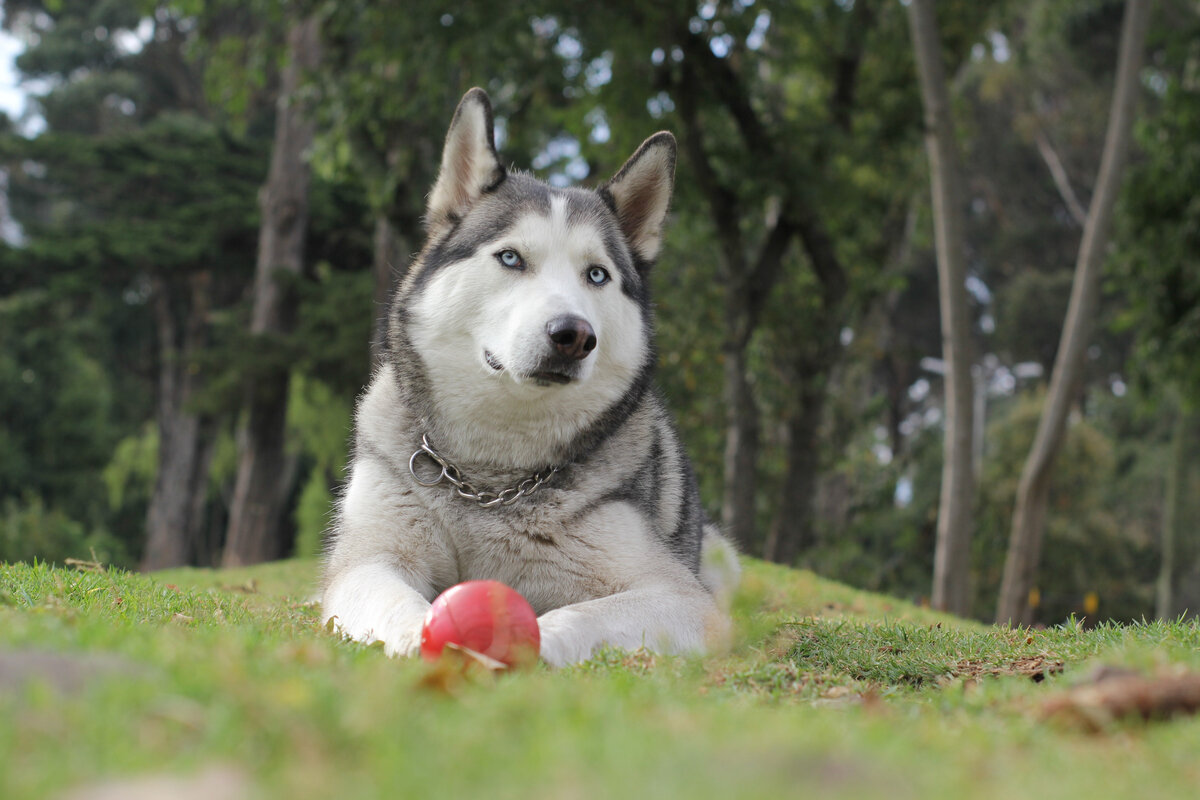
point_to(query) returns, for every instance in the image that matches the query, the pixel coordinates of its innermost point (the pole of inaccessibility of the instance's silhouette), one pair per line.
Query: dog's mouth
(543, 377)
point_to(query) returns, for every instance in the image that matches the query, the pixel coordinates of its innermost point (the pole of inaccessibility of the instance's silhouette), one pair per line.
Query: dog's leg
(720, 570)
(372, 603)
(667, 618)
(382, 562)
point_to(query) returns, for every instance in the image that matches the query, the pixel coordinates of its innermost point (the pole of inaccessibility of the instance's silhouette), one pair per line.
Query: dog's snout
(572, 336)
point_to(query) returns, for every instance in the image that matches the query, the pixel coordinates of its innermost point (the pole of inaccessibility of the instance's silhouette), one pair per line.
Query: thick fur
(614, 549)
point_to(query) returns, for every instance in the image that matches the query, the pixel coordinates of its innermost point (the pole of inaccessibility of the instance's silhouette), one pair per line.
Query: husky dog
(512, 432)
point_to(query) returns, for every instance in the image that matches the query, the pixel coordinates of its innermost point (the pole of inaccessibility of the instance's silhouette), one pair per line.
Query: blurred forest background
(206, 201)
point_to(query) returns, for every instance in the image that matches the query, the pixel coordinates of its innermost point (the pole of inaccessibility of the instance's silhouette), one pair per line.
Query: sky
(12, 97)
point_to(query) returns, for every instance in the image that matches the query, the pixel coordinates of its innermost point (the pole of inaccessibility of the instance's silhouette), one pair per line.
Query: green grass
(826, 692)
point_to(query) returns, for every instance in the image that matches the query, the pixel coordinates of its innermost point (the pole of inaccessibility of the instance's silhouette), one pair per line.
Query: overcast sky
(12, 98)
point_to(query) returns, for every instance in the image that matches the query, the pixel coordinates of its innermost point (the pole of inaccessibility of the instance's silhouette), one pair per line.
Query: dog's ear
(470, 165)
(640, 194)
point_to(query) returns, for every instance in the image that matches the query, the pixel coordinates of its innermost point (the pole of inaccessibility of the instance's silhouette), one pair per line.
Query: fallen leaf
(84, 566)
(456, 668)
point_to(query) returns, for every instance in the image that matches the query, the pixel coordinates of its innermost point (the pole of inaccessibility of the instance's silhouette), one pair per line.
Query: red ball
(486, 617)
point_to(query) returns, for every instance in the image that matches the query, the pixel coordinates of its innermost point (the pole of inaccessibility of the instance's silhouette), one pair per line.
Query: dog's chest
(549, 558)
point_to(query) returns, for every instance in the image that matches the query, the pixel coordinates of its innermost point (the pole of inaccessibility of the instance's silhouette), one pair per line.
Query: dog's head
(525, 322)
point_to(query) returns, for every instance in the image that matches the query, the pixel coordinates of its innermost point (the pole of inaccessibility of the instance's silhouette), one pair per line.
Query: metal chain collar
(484, 498)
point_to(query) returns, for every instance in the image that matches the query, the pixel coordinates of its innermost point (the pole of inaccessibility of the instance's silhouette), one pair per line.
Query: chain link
(484, 498)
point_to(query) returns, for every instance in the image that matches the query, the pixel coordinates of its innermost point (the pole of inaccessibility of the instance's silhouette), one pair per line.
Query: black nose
(573, 336)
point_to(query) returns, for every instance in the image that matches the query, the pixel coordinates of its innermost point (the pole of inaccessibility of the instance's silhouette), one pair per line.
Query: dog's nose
(572, 336)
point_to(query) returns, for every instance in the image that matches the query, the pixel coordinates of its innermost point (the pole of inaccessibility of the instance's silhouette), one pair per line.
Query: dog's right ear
(640, 194)
(470, 165)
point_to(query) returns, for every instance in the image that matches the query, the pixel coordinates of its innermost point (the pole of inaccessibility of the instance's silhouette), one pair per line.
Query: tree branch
(821, 254)
(722, 202)
(730, 92)
(1061, 180)
(847, 62)
(802, 219)
(768, 266)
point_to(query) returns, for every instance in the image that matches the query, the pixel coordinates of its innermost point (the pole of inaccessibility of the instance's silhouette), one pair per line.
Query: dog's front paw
(563, 642)
(371, 603)
(399, 640)
(405, 644)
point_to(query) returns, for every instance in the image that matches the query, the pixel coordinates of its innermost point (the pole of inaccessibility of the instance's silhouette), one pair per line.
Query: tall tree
(1157, 271)
(769, 104)
(175, 518)
(1165, 591)
(143, 199)
(846, 258)
(382, 111)
(265, 471)
(1024, 549)
(951, 566)
(750, 271)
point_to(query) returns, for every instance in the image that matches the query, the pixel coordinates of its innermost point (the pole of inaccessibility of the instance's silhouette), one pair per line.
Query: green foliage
(139, 209)
(335, 324)
(56, 401)
(320, 420)
(384, 110)
(29, 530)
(1158, 268)
(148, 174)
(130, 473)
(314, 511)
(175, 195)
(133, 220)
(1034, 305)
(688, 322)
(1095, 542)
(129, 478)
(870, 539)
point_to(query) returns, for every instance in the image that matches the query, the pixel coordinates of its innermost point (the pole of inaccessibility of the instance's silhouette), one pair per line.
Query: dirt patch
(1036, 668)
(223, 782)
(65, 672)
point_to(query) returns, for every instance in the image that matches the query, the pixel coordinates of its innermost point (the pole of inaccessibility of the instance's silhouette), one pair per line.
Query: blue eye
(597, 276)
(511, 259)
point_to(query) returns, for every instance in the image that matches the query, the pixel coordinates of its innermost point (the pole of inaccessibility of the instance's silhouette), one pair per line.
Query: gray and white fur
(521, 340)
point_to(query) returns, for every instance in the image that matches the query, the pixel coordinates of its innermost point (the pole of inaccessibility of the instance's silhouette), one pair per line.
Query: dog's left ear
(470, 165)
(640, 194)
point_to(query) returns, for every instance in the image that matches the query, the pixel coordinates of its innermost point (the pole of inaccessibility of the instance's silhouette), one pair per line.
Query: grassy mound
(224, 683)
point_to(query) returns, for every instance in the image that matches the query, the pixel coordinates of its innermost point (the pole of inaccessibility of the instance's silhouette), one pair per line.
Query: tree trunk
(388, 265)
(742, 435)
(747, 289)
(748, 294)
(264, 473)
(951, 567)
(791, 531)
(1024, 546)
(174, 521)
(1172, 523)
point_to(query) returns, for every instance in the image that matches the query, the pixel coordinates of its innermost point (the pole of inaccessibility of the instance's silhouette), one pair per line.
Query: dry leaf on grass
(83, 565)
(457, 667)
